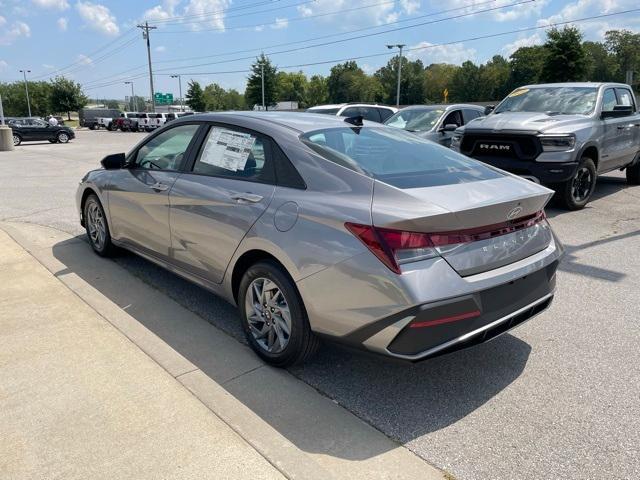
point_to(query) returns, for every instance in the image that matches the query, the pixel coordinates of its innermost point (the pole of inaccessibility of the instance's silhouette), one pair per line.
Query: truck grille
(478, 145)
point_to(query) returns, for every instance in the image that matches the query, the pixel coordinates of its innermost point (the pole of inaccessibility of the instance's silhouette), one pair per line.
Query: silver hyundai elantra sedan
(318, 226)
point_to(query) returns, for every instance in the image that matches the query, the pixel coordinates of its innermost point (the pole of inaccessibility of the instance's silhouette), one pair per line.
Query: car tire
(633, 173)
(17, 139)
(110, 127)
(63, 137)
(92, 127)
(97, 227)
(53, 141)
(265, 327)
(575, 193)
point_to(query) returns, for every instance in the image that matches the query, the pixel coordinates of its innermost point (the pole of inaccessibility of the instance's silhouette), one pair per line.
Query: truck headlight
(455, 141)
(557, 143)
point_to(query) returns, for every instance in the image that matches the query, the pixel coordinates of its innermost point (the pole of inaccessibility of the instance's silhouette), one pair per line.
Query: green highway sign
(163, 98)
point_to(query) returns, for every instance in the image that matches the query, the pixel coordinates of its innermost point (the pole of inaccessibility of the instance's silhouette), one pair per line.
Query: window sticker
(519, 91)
(227, 149)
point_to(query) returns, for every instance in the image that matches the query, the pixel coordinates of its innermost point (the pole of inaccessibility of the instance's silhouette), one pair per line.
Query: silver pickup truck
(562, 135)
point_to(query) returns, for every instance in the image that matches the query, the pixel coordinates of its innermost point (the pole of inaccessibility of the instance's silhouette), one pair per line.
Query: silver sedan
(320, 226)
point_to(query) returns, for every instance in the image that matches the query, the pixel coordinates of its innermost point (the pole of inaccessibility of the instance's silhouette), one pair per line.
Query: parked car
(33, 129)
(88, 117)
(372, 112)
(106, 122)
(127, 122)
(322, 226)
(562, 135)
(434, 122)
(145, 121)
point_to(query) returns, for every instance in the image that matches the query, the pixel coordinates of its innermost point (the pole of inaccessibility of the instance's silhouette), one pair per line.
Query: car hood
(527, 121)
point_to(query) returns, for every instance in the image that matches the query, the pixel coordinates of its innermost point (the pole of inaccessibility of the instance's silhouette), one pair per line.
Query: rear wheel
(63, 137)
(95, 222)
(92, 127)
(633, 173)
(17, 139)
(576, 192)
(273, 316)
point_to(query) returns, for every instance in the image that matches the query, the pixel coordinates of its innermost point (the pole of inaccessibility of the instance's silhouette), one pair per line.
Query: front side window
(609, 100)
(453, 118)
(385, 113)
(550, 100)
(470, 114)
(231, 153)
(166, 150)
(396, 157)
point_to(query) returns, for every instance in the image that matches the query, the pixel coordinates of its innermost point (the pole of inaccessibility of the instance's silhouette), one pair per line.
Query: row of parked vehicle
(112, 119)
(560, 135)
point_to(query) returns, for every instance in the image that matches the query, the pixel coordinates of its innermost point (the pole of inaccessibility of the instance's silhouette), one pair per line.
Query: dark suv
(33, 129)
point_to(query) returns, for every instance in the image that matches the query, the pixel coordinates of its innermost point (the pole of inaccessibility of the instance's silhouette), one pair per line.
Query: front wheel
(273, 316)
(95, 222)
(17, 140)
(575, 193)
(63, 137)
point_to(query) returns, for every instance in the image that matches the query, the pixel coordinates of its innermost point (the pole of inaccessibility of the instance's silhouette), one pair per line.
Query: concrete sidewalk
(79, 400)
(104, 376)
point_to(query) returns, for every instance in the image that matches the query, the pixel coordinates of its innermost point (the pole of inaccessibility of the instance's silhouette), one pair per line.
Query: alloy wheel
(582, 184)
(268, 315)
(63, 138)
(16, 140)
(96, 225)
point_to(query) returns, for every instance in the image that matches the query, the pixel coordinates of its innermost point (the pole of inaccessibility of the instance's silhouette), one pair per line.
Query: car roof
(350, 104)
(447, 106)
(301, 122)
(576, 85)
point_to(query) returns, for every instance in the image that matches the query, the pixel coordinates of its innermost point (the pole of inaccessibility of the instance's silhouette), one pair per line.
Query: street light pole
(262, 78)
(145, 34)
(133, 96)
(26, 87)
(179, 77)
(400, 47)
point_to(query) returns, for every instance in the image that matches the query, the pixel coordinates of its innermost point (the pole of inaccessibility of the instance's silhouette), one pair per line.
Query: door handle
(246, 197)
(160, 187)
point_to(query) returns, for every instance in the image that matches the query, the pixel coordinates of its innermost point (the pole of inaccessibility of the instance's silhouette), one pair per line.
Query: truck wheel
(633, 173)
(575, 193)
(92, 127)
(110, 127)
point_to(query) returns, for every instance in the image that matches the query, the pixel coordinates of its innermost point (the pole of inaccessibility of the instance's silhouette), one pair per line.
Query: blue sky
(97, 43)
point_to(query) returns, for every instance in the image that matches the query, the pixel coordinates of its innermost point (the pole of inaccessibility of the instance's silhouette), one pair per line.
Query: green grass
(71, 123)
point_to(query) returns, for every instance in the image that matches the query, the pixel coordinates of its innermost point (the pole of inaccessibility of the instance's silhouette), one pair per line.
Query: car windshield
(415, 120)
(396, 157)
(326, 111)
(552, 100)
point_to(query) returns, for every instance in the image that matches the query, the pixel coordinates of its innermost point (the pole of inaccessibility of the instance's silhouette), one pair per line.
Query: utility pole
(262, 78)
(145, 34)
(26, 87)
(133, 96)
(400, 47)
(179, 77)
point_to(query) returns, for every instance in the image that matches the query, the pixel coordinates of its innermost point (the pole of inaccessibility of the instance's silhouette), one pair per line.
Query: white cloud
(3, 21)
(200, 7)
(429, 53)
(161, 12)
(161, 49)
(16, 30)
(57, 4)
(62, 24)
(98, 18)
(379, 14)
(506, 14)
(48, 66)
(84, 60)
(3, 66)
(536, 39)
(280, 23)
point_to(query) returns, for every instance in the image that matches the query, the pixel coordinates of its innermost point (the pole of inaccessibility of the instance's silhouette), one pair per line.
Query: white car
(160, 119)
(368, 111)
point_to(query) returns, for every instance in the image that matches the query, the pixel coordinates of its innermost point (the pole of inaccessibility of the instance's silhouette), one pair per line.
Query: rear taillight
(397, 247)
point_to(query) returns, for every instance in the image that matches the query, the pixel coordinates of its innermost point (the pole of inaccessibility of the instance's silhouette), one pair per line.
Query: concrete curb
(302, 433)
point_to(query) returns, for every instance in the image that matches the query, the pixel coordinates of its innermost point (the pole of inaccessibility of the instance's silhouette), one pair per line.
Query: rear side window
(469, 114)
(233, 153)
(385, 113)
(396, 157)
(625, 97)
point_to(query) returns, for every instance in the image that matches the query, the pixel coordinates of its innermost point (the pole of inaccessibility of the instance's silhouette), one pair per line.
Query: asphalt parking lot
(557, 398)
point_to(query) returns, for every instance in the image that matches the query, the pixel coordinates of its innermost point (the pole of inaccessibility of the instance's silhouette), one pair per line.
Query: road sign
(163, 98)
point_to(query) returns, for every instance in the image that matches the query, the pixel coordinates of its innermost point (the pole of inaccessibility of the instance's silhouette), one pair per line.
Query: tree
(601, 65)
(214, 97)
(346, 80)
(195, 97)
(234, 100)
(526, 65)
(465, 83)
(625, 46)
(411, 91)
(566, 60)
(292, 87)
(436, 78)
(111, 104)
(317, 91)
(494, 79)
(253, 93)
(14, 99)
(66, 96)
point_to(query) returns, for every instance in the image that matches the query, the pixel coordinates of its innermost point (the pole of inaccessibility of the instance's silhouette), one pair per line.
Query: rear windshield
(328, 111)
(396, 157)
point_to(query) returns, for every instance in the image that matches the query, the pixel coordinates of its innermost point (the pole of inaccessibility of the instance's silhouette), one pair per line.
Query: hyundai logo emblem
(514, 213)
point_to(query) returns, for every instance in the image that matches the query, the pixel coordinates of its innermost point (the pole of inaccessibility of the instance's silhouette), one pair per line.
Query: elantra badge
(514, 213)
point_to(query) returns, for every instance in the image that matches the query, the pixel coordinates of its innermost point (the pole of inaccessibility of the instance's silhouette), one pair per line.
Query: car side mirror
(449, 127)
(488, 109)
(618, 111)
(114, 161)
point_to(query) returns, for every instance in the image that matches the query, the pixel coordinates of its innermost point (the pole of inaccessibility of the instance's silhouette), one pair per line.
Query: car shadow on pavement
(403, 400)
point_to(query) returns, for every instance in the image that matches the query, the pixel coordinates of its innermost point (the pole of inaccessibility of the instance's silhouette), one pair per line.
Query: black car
(31, 129)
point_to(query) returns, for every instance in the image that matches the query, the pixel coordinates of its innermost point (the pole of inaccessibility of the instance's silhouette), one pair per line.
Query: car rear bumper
(541, 172)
